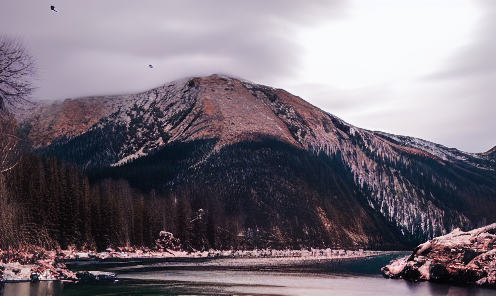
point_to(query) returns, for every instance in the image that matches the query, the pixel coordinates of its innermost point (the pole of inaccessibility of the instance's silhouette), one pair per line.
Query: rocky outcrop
(458, 258)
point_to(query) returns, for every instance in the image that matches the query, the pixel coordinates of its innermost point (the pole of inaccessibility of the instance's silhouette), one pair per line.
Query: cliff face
(269, 151)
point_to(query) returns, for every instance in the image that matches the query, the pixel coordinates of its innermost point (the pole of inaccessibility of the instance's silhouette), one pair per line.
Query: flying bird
(150, 66)
(53, 8)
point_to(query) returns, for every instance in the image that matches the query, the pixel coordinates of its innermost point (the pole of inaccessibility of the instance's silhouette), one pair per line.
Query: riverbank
(36, 264)
(33, 264)
(243, 276)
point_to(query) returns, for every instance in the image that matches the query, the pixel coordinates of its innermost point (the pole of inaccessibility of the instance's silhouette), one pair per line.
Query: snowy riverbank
(35, 264)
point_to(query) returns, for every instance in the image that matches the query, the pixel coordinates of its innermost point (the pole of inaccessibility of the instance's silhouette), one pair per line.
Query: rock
(439, 273)
(96, 277)
(410, 273)
(394, 269)
(424, 270)
(35, 277)
(469, 255)
(424, 248)
(457, 258)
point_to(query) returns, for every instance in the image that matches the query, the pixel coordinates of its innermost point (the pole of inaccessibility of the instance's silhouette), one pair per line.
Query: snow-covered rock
(458, 258)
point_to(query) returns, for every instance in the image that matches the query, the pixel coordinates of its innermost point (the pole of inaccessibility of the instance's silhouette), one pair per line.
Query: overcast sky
(422, 68)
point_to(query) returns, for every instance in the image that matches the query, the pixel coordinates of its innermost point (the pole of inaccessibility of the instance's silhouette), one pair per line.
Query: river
(246, 276)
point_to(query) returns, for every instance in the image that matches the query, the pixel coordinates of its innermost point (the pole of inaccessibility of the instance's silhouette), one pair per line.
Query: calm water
(246, 277)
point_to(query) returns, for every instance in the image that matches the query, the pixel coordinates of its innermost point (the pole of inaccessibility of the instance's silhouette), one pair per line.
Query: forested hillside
(264, 167)
(52, 205)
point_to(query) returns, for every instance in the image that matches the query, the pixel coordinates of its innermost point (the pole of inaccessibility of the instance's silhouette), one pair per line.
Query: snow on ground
(52, 268)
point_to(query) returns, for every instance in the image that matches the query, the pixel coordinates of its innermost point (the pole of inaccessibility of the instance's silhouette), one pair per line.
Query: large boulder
(458, 258)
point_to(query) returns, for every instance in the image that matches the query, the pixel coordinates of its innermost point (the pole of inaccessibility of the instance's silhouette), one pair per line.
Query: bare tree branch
(17, 71)
(10, 135)
(9, 168)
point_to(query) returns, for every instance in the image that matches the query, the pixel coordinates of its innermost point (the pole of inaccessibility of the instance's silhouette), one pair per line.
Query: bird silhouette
(53, 8)
(150, 66)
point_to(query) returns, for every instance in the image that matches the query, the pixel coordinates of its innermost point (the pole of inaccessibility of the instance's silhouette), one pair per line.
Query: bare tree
(17, 71)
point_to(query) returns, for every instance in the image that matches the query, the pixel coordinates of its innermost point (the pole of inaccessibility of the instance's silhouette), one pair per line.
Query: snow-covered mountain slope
(423, 189)
(68, 118)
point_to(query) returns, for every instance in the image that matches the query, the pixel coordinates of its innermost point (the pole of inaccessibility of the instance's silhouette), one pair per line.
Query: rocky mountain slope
(284, 165)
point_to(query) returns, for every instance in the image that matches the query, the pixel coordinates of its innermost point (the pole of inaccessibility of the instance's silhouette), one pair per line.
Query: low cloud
(115, 41)
(96, 47)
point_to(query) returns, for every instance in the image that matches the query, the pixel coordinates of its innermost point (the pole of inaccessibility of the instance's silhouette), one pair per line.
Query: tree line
(51, 204)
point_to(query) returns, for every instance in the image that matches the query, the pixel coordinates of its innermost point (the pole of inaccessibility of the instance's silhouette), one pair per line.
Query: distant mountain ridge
(370, 186)
(491, 152)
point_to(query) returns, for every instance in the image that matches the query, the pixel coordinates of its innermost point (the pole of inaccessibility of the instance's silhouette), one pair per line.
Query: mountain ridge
(422, 188)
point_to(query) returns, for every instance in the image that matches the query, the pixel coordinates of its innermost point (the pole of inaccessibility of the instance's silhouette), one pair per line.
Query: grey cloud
(453, 112)
(96, 47)
(469, 80)
(250, 39)
(478, 58)
(337, 101)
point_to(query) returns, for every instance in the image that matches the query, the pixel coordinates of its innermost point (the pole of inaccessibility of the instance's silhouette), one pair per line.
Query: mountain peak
(234, 110)
(255, 133)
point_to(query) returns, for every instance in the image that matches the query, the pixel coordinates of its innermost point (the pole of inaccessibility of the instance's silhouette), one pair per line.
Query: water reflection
(249, 277)
(48, 288)
(438, 289)
(426, 288)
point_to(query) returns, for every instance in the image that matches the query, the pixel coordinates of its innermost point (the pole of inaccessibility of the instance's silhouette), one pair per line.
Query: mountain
(491, 153)
(281, 166)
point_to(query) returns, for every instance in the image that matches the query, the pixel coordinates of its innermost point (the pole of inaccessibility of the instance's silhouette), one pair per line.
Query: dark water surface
(246, 277)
